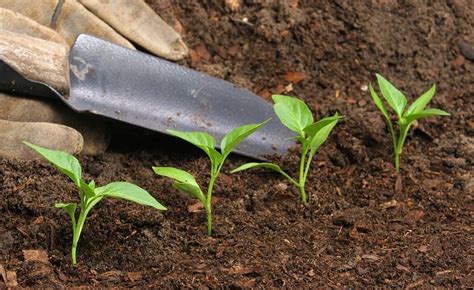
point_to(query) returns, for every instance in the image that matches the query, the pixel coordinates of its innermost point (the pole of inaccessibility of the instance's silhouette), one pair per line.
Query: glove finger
(17, 23)
(53, 136)
(36, 59)
(69, 18)
(139, 23)
(94, 130)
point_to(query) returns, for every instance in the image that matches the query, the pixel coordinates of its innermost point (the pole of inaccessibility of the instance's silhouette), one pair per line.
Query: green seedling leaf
(293, 113)
(190, 189)
(92, 202)
(251, 165)
(234, 137)
(394, 97)
(378, 102)
(398, 102)
(90, 194)
(320, 137)
(424, 114)
(87, 189)
(215, 157)
(314, 128)
(64, 162)
(420, 103)
(184, 181)
(176, 174)
(201, 140)
(92, 184)
(70, 209)
(297, 138)
(266, 165)
(130, 192)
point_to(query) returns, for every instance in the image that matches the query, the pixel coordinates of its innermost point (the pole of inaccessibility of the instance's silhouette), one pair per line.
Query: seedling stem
(397, 101)
(89, 194)
(296, 116)
(186, 182)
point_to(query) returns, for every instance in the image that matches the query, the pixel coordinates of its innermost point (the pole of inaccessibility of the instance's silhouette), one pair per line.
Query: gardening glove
(107, 19)
(42, 121)
(49, 124)
(62, 21)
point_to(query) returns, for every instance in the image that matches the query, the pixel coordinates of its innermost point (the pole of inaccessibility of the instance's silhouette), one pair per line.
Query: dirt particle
(198, 206)
(233, 50)
(240, 270)
(36, 255)
(8, 277)
(402, 268)
(225, 180)
(94, 168)
(399, 184)
(362, 103)
(232, 5)
(423, 249)
(111, 276)
(39, 220)
(413, 216)
(458, 62)
(371, 257)
(295, 77)
(135, 276)
(202, 52)
(389, 204)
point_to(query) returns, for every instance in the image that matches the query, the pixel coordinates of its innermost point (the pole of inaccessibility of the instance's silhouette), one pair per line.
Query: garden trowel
(150, 92)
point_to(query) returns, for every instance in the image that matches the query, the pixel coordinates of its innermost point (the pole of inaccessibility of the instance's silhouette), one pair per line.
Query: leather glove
(34, 39)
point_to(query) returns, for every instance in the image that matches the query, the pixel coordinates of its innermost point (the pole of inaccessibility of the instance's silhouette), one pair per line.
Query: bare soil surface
(365, 226)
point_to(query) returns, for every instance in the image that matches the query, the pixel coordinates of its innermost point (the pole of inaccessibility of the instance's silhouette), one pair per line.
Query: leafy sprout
(186, 182)
(405, 118)
(89, 194)
(296, 116)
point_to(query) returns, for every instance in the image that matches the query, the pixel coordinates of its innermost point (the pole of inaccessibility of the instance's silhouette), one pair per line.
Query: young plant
(296, 116)
(89, 194)
(397, 101)
(186, 182)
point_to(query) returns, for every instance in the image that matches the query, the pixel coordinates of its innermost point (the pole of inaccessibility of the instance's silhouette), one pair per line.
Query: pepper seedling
(296, 116)
(89, 194)
(186, 182)
(397, 101)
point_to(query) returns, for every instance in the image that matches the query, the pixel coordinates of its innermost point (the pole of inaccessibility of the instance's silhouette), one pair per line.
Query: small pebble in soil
(232, 5)
(362, 103)
(281, 186)
(467, 49)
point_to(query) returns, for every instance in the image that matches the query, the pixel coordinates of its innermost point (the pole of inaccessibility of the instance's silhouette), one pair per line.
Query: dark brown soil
(367, 229)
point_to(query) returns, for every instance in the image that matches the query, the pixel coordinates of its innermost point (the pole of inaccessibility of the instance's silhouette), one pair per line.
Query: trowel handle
(32, 66)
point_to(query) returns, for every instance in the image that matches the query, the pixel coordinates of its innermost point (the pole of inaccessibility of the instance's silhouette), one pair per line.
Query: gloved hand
(40, 53)
(112, 20)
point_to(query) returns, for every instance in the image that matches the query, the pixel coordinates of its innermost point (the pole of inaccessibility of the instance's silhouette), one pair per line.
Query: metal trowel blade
(143, 90)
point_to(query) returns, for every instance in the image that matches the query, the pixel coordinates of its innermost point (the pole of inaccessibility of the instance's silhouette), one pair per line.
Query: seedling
(186, 182)
(296, 116)
(397, 101)
(89, 194)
